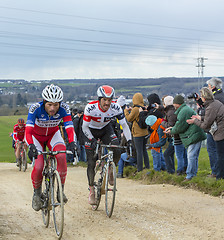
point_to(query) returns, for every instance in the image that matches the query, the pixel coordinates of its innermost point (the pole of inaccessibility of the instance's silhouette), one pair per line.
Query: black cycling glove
(32, 153)
(93, 143)
(72, 146)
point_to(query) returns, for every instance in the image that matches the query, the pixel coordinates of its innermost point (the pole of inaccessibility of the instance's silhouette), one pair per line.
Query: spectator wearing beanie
(157, 140)
(191, 135)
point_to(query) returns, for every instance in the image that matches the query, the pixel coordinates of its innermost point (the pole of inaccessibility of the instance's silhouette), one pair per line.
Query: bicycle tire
(110, 189)
(98, 186)
(20, 163)
(57, 203)
(46, 200)
(24, 161)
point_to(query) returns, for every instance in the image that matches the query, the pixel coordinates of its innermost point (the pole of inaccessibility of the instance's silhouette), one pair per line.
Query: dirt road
(141, 211)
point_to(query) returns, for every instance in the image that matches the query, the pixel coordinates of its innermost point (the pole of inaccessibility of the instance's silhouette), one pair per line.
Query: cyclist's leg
(17, 149)
(37, 177)
(56, 143)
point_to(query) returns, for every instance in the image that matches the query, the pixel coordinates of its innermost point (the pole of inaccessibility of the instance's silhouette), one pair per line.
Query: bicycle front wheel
(110, 188)
(57, 203)
(24, 161)
(46, 202)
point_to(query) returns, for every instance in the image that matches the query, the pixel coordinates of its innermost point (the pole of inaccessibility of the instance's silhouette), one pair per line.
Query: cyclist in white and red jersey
(96, 125)
(42, 128)
(18, 136)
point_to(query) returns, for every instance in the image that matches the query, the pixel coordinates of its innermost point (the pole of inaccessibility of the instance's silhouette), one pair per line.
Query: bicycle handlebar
(53, 153)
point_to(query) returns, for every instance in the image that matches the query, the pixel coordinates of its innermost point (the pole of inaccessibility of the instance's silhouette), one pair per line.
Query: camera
(153, 105)
(193, 95)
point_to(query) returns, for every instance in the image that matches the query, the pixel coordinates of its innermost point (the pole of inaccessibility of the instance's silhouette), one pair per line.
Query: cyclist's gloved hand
(93, 143)
(32, 153)
(129, 148)
(72, 146)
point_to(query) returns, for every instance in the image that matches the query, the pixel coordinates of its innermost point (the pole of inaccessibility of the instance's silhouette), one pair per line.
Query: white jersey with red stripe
(95, 117)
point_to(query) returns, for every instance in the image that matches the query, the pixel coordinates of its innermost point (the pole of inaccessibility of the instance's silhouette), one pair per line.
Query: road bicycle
(22, 156)
(105, 174)
(52, 194)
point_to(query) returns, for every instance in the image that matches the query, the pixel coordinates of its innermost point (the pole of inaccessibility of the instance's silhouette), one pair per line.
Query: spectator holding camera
(191, 135)
(139, 134)
(213, 120)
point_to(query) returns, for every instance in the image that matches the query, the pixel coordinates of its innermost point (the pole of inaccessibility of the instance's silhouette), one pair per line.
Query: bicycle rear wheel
(46, 202)
(110, 188)
(24, 161)
(57, 203)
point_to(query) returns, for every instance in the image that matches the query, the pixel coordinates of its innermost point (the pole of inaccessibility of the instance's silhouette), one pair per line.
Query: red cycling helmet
(21, 121)
(105, 92)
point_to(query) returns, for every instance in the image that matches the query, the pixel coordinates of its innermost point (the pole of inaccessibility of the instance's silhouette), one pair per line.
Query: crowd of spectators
(169, 128)
(173, 125)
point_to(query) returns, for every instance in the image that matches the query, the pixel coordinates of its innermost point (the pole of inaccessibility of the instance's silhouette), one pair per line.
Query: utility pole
(200, 67)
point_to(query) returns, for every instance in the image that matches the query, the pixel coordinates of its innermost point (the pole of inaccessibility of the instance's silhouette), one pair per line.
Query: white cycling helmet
(52, 93)
(105, 92)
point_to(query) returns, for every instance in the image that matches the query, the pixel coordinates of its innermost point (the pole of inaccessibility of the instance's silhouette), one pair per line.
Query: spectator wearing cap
(157, 140)
(213, 120)
(215, 85)
(191, 135)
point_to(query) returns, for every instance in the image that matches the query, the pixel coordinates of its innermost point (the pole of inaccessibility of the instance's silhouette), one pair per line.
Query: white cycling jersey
(95, 117)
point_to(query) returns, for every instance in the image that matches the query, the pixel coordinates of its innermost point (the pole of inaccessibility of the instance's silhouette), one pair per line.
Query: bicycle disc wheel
(110, 188)
(57, 203)
(46, 202)
(24, 161)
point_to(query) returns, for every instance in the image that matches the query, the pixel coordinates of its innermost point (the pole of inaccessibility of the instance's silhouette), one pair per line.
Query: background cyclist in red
(18, 136)
(42, 128)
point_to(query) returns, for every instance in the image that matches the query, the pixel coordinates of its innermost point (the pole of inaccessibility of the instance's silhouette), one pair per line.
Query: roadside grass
(201, 182)
(148, 176)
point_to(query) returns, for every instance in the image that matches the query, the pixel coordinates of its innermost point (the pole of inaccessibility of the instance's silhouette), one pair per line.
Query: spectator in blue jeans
(157, 140)
(190, 134)
(123, 161)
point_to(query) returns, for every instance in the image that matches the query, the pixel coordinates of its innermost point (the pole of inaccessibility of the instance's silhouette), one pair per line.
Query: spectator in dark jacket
(213, 120)
(175, 143)
(215, 85)
(154, 99)
(77, 122)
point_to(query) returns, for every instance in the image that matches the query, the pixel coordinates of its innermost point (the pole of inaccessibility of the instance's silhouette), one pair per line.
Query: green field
(6, 127)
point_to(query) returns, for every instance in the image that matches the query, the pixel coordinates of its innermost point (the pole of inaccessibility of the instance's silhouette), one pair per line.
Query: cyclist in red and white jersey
(18, 136)
(96, 125)
(42, 128)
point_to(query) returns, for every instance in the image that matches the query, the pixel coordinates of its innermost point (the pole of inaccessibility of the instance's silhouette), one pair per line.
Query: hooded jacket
(133, 116)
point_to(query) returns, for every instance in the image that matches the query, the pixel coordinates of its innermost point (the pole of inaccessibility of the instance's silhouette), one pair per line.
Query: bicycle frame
(103, 184)
(52, 195)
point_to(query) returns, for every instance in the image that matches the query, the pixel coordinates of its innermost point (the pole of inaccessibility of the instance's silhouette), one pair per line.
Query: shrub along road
(141, 211)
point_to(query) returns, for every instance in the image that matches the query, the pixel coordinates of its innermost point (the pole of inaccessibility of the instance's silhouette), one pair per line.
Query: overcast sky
(52, 39)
